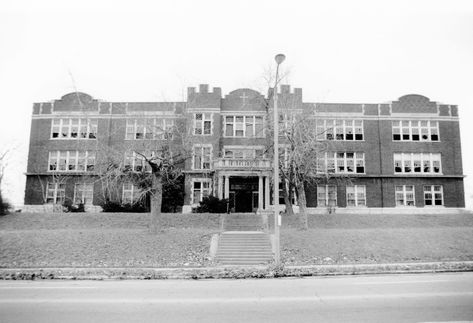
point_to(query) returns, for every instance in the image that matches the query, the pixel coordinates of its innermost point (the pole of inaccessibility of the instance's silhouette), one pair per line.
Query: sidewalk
(236, 272)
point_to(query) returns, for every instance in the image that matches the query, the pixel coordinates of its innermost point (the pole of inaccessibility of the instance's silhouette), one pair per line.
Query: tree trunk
(2, 210)
(156, 202)
(302, 206)
(287, 201)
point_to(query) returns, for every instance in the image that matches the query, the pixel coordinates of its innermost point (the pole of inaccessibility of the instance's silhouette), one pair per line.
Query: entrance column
(266, 192)
(220, 187)
(227, 186)
(260, 193)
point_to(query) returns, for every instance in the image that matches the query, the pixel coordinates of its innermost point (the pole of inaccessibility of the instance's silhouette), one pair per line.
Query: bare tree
(302, 150)
(149, 165)
(3, 166)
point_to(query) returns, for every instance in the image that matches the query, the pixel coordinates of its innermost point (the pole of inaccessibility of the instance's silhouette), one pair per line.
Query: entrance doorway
(242, 194)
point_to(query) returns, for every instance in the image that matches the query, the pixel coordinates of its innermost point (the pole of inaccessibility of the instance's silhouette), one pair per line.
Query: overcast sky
(337, 51)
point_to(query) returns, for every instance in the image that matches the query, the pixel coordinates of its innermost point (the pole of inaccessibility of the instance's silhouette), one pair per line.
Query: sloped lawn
(101, 240)
(351, 239)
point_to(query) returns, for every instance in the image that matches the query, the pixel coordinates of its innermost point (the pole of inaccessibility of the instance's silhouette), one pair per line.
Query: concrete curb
(236, 272)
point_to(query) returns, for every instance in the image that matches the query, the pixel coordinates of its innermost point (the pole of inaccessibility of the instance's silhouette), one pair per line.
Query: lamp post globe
(279, 58)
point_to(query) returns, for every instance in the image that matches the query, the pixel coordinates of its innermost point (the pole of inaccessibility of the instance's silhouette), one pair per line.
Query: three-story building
(402, 154)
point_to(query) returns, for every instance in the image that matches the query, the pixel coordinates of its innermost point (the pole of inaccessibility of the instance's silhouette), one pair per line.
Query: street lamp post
(279, 59)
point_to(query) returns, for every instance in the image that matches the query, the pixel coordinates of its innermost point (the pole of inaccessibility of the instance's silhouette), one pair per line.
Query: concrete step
(241, 252)
(246, 248)
(240, 246)
(244, 255)
(243, 263)
(226, 258)
(231, 261)
(234, 238)
(244, 244)
(244, 229)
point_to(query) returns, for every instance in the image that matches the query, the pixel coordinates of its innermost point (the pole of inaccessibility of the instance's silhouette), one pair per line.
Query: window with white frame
(56, 193)
(281, 193)
(203, 124)
(149, 128)
(244, 126)
(136, 162)
(286, 122)
(202, 157)
(201, 187)
(433, 195)
(83, 193)
(356, 195)
(341, 162)
(412, 163)
(241, 153)
(339, 129)
(131, 194)
(326, 195)
(405, 195)
(418, 130)
(74, 128)
(71, 161)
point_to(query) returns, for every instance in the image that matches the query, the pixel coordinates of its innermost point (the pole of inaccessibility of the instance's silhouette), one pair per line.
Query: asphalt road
(390, 298)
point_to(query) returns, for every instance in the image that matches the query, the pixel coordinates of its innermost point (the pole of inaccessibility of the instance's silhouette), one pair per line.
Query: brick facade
(245, 108)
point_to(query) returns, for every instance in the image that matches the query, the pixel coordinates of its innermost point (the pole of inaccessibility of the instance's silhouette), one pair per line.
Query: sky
(336, 51)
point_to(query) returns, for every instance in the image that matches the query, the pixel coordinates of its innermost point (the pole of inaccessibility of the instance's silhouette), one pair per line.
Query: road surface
(390, 298)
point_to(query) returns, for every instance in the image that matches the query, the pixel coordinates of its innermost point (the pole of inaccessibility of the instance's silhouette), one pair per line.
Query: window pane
(229, 130)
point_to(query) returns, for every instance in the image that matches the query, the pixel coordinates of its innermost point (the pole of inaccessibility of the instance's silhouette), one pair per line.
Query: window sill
(72, 138)
(416, 141)
(419, 174)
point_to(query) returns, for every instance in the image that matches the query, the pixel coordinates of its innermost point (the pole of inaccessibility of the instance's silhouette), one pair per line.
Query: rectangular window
(202, 157)
(326, 196)
(74, 128)
(342, 163)
(287, 121)
(235, 153)
(135, 161)
(200, 189)
(244, 126)
(433, 195)
(339, 129)
(130, 194)
(415, 130)
(356, 195)
(83, 193)
(56, 193)
(203, 124)
(405, 195)
(149, 129)
(71, 161)
(422, 163)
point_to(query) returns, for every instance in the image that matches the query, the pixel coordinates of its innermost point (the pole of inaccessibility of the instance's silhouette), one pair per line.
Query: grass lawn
(124, 240)
(351, 239)
(104, 239)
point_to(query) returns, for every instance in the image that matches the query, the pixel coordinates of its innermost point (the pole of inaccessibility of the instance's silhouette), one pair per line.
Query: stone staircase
(243, 242)
(243, 222)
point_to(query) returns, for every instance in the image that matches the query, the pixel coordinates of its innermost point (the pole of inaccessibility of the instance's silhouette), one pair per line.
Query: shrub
(112, 206)
(212, 204)
(5, 208)
(73, 208)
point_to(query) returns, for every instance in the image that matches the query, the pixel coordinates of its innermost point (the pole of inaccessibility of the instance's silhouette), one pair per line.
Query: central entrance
(244, 194)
